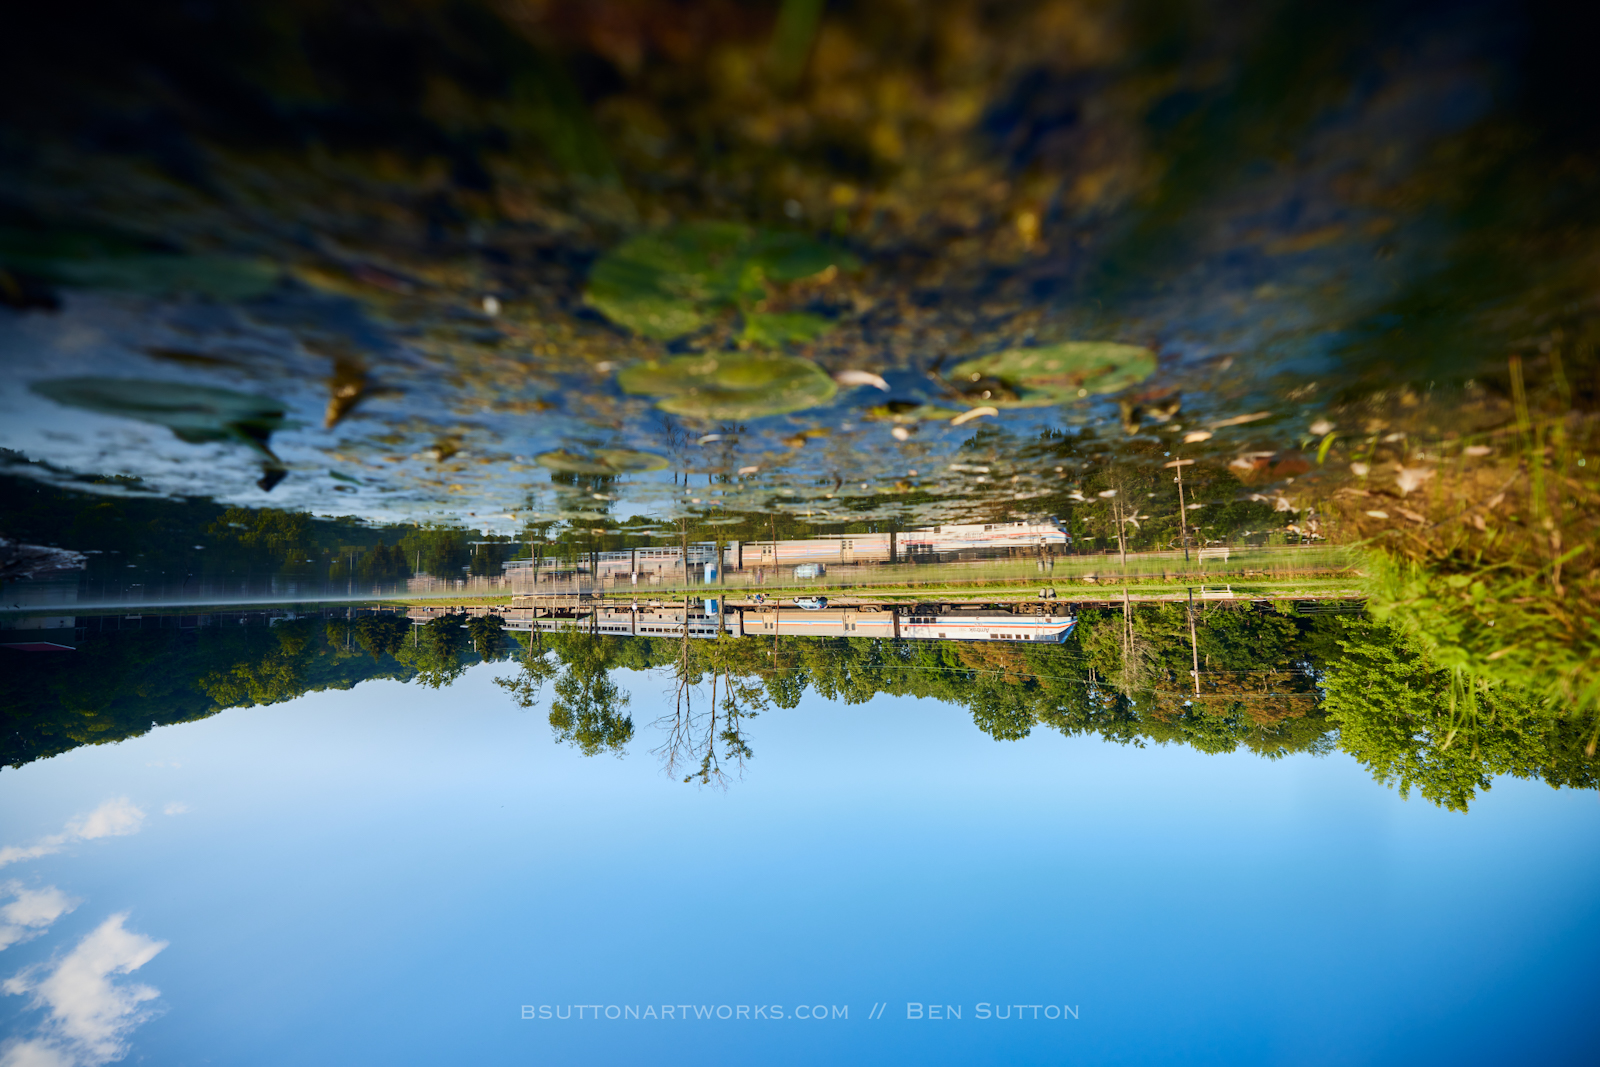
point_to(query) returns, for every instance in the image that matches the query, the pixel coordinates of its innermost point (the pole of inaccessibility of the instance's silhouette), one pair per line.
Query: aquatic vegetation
(101, 259)
(601, 461)
(672, 282)
(730, 385)
(1052, 374)
(196, 414)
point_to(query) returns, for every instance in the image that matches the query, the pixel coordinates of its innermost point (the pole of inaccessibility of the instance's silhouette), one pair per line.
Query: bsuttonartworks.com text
(685, 1012)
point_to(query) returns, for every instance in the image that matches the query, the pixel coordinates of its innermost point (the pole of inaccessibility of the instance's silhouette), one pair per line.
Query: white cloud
(34, 1053)
(90, 1015)
(176, 807)
(114, 818)
(30, 912)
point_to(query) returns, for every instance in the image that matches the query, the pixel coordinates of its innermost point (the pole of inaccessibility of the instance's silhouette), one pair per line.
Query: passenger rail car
(987, 535)
(662, 562)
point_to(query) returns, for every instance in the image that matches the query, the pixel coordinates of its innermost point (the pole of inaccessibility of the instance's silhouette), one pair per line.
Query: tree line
(1272, 683)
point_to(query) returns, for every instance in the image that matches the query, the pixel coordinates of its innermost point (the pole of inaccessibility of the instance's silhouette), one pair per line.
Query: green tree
(440, 550)
(267, 532)
(383, 563)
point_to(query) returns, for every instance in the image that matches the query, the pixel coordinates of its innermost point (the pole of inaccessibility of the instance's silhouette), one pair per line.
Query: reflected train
(930, 544)
(671, 620)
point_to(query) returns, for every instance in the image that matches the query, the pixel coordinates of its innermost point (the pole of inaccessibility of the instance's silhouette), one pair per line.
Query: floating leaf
(905, 411)
(775, 329)
(730, 385)
(219, 277)
(601, 461)
(671, 282)
(194, 413)
(1050, 374)
(788, 257)
(98, 260)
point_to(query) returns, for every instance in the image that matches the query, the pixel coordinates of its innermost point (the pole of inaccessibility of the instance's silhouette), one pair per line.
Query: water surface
(354, 359)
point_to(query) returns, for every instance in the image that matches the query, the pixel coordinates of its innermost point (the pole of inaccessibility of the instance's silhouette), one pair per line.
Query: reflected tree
(527, 685)
(587, 709)
(277, 675)
(487, 634)
(711, 743)
(437, 651)
(1413, 724)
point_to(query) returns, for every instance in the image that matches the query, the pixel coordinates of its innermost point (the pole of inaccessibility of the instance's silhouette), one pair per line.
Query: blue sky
(388, 874)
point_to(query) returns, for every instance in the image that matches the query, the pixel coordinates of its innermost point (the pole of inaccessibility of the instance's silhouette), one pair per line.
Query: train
(930, 544)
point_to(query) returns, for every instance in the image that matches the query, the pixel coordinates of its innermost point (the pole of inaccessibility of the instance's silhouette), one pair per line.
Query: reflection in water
(88, 1014)
(89, 1011)
(779, 253)
(1271, 681)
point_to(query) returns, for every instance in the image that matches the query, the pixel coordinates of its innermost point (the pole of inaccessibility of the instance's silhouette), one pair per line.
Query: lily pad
(601, 461)
(1051, 374)
(108, 261)
(774, 329)
(219, 277)
(903, 411)
(194, 413)
(671, 282)
(730, 385)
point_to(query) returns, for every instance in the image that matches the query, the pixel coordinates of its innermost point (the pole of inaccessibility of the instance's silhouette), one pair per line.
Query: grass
(1274, 572)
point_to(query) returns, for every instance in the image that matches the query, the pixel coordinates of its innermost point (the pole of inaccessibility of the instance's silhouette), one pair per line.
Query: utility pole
(1183, 512)
(1122, 540)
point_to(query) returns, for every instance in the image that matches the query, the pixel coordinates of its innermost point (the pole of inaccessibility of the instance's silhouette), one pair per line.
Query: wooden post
(1183, 513)
(1122, 540)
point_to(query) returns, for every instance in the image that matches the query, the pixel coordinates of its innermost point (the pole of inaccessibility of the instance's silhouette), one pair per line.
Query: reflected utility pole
(1194, 644)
